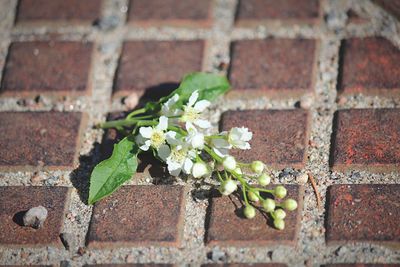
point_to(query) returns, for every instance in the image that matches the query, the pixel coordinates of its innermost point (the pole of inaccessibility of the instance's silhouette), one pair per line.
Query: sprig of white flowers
(181, 139)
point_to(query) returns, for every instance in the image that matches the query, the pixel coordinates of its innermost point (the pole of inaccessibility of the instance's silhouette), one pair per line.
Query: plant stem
(126, 122)
(136, 112)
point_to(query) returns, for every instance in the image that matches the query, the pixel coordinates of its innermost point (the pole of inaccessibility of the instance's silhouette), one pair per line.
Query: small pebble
(131, 101)
(302, 178)
(306, 102)
(130, 258)
(35, 217)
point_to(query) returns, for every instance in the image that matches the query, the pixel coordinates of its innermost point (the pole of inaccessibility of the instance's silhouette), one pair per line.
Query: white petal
(146, 131)
(221, 143)
(243, 145)
(202, 105)
(163, 152)
(163, 123)
(187, 166)
(146, 145)
(221, 152)
(174, 172)
(193, 98)
(189, 125)
(198, 141)
(202, 123)
(170, 136)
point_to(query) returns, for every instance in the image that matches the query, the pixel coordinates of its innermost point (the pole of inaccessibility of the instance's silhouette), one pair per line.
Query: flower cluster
(180, 138)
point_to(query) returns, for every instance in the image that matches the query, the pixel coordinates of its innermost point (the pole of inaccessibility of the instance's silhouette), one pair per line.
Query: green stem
(212, 154)
(125, 123)
(136, 112)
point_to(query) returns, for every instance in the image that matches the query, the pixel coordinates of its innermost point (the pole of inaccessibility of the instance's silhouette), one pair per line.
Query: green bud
(264, 179)
(280, 191)
(289, 204)
(257, 166)
(238, 171)
(228, 187)
(279, 224)
(255, 197)
(268, 205)
(249, 212)
(280, 214)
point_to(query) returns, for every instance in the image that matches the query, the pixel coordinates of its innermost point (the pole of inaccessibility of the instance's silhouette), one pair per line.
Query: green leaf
(209, 86)
(111, 173)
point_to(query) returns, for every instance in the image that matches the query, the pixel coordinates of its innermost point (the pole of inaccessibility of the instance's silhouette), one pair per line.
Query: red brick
(391, 6)
(48, 140)
(369, 66)
(16, 200)
(361, 265)
(227, 226)
(366, 139)
(354, 18)
(280, 137)
(276, 67)
(156, 67)
(244, 265)
(253, 12)
(171, 12)
(54, 68)
(363, 213)
(139, 216)
(71, 11)
(132, 265)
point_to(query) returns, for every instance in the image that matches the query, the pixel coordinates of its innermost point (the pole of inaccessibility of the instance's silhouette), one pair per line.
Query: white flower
(191, 112)
(229, 163)
(180, 159)
(239, 137)
(221, 145)
(228, 187)
(168, 109)
(195, 138)
(199, 169)
(154, 136)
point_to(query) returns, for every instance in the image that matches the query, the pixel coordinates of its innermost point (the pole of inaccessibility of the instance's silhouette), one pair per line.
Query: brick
(51, 11)
(148, 164)
(369, 66)
(354, 18)
(132, 265)
(42, 67)
(227, 226)
(139, 216)
(244, 265)
(366, 139)
(156, 67)
(16, 200)
(363, 213)
(254, 12)
(391, 6)
(48, 140)
(276, 67)
(279, 141)
(360, 265)
(171, 12)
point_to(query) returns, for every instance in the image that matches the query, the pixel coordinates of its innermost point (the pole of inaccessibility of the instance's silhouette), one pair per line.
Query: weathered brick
(276, 67)
(228, 227)
(54, 68)
(280, 137)
(16, 200)
(133, 265)
(156, 67)
(139, 215)
(71, 11)
(48, 140)
(369, 66)
(171, 12)
(391, 6)
(363, 213)
(360, 265)
(244, 265)
(366, 139)
(254, 12)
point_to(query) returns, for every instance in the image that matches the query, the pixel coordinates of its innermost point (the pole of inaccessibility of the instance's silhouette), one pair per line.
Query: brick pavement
(316, 81)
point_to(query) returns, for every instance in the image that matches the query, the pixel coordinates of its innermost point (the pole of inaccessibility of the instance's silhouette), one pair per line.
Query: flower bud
(229, 163)
(289, 204)
(264, 179)
(249, 212)
(268, 205)
(238, 171)
(228, 187)
(280, 191)
(253, 196)
(279, 224)
(257, 166)
(280, 214)
(199, 169)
